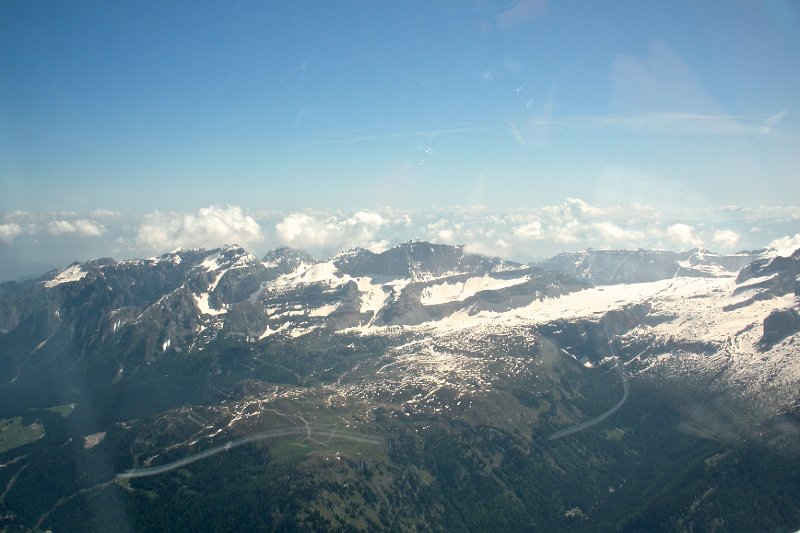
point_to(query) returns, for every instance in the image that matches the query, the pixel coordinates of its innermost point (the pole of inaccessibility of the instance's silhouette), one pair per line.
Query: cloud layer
(208, 227)
(526, 234)
(8, 232)
(517, 234)
(336, 232)
(86, 228)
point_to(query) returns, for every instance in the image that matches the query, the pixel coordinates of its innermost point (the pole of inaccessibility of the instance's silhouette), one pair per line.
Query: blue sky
(149, 109)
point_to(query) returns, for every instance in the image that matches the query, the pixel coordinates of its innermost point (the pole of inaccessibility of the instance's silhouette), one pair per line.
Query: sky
(520, 129)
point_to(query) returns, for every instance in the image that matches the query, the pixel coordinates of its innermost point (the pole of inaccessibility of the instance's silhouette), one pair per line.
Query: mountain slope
(421, 388)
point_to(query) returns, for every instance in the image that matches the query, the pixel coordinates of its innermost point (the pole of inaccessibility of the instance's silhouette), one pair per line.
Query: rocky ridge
(731, 318)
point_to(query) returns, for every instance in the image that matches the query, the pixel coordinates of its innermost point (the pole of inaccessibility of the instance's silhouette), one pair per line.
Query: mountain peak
(287, 252)
(414, 260)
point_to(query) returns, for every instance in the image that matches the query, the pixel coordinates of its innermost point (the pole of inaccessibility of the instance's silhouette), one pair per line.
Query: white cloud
(519, 234)
(8, 232)
(58, 227)
(610, 231)
(726, 238)
(82, 227)
(565, 233)
(583, 207)
(786, 245)
(89, 228)
(764, 214)
(442, 231)
(363, 226)
(209, 227)
(536, 232)
(570, 221)
(300, 229)
(105, 213)
(522, 234)
(531, 230)
(683, 234)
(496, 248)
(445, 235)
(336, 232)
(614, 233)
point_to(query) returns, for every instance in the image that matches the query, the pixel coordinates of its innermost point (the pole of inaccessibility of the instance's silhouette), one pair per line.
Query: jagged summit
(289, 255)
(413, 259)
(637, 266)
(182, 301)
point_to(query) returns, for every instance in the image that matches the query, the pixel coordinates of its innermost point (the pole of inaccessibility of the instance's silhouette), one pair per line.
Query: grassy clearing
(63, 410)
(293, 450)
(614, 434)
(13, 434)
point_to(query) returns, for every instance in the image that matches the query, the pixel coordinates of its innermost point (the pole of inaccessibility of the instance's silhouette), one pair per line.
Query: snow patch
(459, 291)
(372, 295)
(68, 275)
(201, 300)
(321, 272)
(269, 331)
(397, 287)
(755, 281)
(323, 311)
(211, 262)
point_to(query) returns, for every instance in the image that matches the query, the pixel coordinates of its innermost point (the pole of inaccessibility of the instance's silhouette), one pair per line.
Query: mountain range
(423, 387)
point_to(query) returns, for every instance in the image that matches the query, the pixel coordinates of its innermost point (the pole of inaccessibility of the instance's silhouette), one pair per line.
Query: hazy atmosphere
(379, 265)
(520, 129)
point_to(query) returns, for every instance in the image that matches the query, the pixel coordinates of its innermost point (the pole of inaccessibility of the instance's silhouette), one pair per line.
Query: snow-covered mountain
(730, 321)
(604, 267)
(416, 367)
